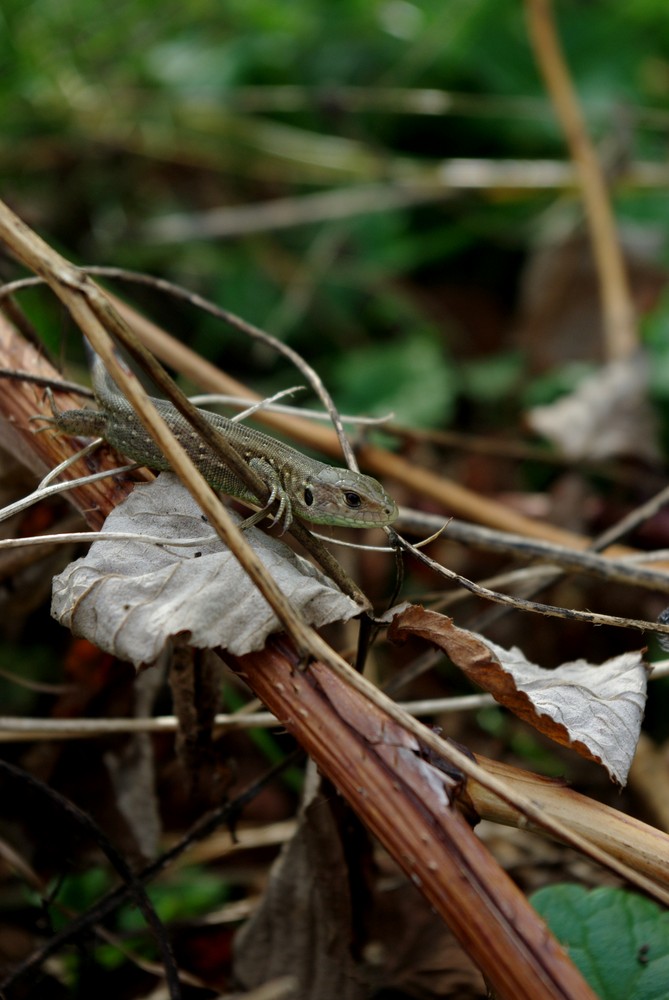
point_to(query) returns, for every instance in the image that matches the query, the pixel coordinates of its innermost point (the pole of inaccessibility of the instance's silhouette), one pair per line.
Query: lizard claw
(283, 513)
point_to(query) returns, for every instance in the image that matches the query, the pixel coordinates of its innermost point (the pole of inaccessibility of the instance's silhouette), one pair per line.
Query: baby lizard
(300, 486)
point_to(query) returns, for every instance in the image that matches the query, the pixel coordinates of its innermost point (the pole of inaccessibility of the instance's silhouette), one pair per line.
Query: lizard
(301, 486)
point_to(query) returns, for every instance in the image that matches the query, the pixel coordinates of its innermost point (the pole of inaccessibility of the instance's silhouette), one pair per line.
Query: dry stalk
(619, 320)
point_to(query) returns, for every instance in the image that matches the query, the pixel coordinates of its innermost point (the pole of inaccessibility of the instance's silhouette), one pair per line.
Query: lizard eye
(308, 496)
(353, 500)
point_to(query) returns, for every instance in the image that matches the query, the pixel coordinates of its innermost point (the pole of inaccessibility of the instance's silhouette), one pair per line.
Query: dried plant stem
(378, 772)
(44, 451)
(285, 213)
(22, 729)
(249, 330)
(631, 841)
(568, 559)
(619, 320)
(550, 610)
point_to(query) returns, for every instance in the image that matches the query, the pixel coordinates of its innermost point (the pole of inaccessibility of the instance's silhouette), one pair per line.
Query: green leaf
(409, 376)
(187, 893)
(492, 379)
(618, 940)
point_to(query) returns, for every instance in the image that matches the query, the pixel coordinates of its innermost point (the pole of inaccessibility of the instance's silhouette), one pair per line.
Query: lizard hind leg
(77, 423)
(47, 421)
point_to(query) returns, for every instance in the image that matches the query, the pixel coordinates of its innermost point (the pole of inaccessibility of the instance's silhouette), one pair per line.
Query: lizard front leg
(272, 480)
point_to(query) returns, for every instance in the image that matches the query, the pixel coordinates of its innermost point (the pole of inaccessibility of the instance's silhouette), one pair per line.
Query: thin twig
(67, 537)
(631, 521)
(420, 101)
(299, 210)
(24, 729)
(46, 491)
(550, 610)
(619, 570)
(309, 373)
(432, 184)
(116, 897)
(168, 288)
(211, 398)
(134, 885)
(60, 385)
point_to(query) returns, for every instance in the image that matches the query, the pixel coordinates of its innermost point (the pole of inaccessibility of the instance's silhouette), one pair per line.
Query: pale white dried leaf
(596, 709)
(608, 414)
(130, 598)
(599, 704)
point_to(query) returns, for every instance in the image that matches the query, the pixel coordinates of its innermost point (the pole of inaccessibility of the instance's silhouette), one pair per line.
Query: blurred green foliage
(115, 119)
(189, 893)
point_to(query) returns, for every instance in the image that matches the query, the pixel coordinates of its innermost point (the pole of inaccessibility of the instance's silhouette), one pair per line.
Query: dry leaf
(312, 910)
(594, 709)
(418, 954)
(345, 934)
(131, 768)
(608, 414)
(130, 598)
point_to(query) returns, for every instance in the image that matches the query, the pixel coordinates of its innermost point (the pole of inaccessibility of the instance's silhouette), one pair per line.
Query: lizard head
(343, 498)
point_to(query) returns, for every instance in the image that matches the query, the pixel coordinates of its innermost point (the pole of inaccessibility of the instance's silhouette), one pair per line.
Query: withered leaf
(130, 598)
(594, 709)
(306, 922)
(608, 414)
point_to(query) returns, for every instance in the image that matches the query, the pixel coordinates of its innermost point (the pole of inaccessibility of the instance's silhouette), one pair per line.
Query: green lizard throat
(299, 486)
